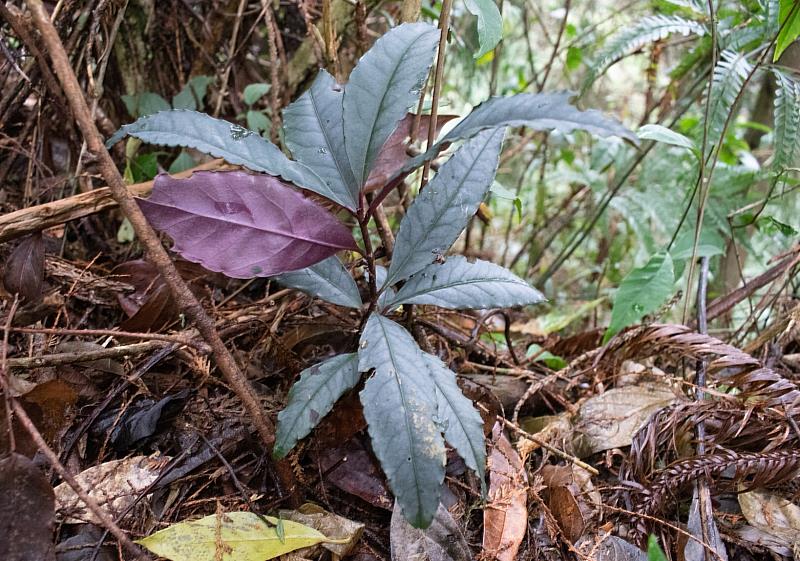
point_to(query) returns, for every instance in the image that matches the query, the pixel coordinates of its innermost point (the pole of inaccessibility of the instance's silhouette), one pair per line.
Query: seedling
(251, 225)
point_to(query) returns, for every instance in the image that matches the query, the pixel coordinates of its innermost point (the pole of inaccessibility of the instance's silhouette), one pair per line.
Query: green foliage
(643, 291)
(410, 399)
(787, 121)
(728, 79)
(647, 30)
(490, 24)
(790, 26)
(654, 551)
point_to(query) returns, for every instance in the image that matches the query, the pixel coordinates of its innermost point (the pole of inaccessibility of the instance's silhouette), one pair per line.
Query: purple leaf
(243, 225)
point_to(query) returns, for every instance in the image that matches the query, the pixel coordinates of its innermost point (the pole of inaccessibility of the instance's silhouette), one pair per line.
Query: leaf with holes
(641, 292)
(312, 397)
(234, 143)
(243, 225)
(314, 133)
(384, 84)
(458, 284)
(441, 211)
(462, 422)
(399, 406)
(328, 280)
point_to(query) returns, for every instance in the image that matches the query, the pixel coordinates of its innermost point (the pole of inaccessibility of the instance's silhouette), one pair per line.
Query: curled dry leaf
(441, 541)
(505, 518)
(115, 485)
(26, 511)
(610, 419)
(24, 270)
(774, 515)
(347, 532)
(567, 488)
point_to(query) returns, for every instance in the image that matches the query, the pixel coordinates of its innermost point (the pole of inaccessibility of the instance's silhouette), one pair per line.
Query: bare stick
(181, 339)
(150, 241)
(57, 359)
(550, 448)
(40, 217)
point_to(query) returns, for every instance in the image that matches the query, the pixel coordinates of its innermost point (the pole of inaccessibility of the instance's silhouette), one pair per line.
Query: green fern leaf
(787, 121)
(729, 75)
(647, 30)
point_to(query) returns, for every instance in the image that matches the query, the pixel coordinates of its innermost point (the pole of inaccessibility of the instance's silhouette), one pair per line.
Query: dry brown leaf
(114, 485)
(331, 525)
(774, 515)
(441, 541)
(505, 518)
(610, 419)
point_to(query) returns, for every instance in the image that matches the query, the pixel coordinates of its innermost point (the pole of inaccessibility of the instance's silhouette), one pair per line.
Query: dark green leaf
(312, 397)
(222, 139)
(328, 280)
(787, 121)
(399, 405)
(315, 135)
(770, 225)
(254, 92)
(439, 214)
(458, 284)
(143, 104)
(490, 24)
(462, 422)
(641, 292)
(384, 84)
(654, 551)
(193, 94)
(789, 16)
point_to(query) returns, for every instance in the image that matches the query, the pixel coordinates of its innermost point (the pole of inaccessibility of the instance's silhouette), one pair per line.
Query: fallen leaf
(347, 532)
(610, 419)
(24, 270)
(352, 469)
(774, 515)
(610, 548)
(26, 511)
(81, 546)
(232, 536)
(505, 517)
(441, 541)
(115, 485)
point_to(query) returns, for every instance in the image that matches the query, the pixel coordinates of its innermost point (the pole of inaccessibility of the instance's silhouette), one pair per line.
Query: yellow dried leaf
(233, 536)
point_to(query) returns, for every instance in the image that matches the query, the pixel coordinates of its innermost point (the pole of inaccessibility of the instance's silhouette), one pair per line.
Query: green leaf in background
(183, 162)
(312, 397)
(771, 226)
(462, 422)
(384, 84)
(654, 551)
(257, 121)
(442, 210)
(400, 404)
(143, 104)
(193, 94)
(574, 58)
(789, 17)
(458, 284)
(667, 136)
(242, 536)
(490, 24)
(711, 243)
(328, 280)
(546, 357)
(641, 292)
(504, 193)
(254, 92)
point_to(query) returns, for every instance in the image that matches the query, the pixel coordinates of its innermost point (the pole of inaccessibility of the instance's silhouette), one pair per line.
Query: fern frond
(647, 30)
(729, 76)
(787, 121)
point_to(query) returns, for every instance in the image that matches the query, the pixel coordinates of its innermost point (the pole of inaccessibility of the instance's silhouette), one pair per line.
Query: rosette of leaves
(261, 224)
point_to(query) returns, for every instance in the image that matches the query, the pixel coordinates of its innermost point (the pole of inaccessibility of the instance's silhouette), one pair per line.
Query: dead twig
(156, 253)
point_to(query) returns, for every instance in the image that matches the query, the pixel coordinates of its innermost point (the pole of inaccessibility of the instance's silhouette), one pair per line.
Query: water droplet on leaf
(238, 132)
